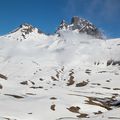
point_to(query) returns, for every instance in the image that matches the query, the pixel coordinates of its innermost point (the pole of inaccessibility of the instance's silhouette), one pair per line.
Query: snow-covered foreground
(59, 78)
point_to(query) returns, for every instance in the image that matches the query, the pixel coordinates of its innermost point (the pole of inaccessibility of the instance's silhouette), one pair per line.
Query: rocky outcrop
(83, 26)
(26, 29)
(63, 25)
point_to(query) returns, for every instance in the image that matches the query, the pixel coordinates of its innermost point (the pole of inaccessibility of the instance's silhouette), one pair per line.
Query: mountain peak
(82, 25)
(63, 25)
(26, 28)
(24, 31)
(25, 25)
(75, 20)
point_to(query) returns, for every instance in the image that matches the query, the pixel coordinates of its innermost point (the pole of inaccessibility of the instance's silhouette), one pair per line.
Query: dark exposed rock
(85, 26)
(3, 77)
(15, 96)
(26, 28)
(82, 115)
(116, 88)
(53, 78)
(74, 109)
(81, 84)
(116, 63)
(63, 25)
(113, 62)
(88, 71)
(116, 103)
(99, 112)
(30, 113)
(71, 81)
(34, 87)
(24, 82)
(105, 103)
(53, 98)
(109, 62)
(33, 83)
(1, 86)
(75, 20)
(52, 107)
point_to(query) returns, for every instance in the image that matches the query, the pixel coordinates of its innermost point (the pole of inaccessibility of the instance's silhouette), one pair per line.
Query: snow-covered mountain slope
(65, 76)
(24, 32)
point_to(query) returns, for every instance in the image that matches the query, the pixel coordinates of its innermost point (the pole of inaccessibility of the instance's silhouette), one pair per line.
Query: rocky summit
(83, 26)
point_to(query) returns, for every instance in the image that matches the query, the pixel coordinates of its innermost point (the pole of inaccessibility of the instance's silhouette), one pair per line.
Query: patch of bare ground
(52, 107)
(53, 78)
(106, 88)
(71, 78)
(74, 109)
(71, 81)
(88, 71)
(99, 112)
(24, 82)
(82, 115)
(57, 74)
(41, 79)
(68, 118)
(30, 113)
(102, 71)
(30, 94)
(1, 86)
(15, 96)
(34, 87)
(96, 84)
(96, 102)
(3, 77)
(33, 83)
(107, 80)
(81, 84)
(116, 88)
(53, 98)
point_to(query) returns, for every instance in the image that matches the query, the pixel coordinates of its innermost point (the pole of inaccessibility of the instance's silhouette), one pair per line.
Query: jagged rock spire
(63, 25)
(75, 20)
(82, 25)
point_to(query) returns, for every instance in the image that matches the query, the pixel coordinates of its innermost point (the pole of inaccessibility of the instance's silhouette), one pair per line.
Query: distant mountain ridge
(78, 24)
(83, 26)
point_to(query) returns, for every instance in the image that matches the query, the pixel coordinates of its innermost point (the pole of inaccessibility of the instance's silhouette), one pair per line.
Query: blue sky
(47, 14)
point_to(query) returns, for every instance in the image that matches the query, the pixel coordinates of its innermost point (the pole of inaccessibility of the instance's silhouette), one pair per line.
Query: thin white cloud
(105, 9)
